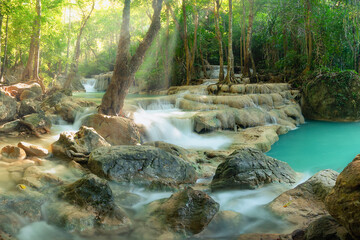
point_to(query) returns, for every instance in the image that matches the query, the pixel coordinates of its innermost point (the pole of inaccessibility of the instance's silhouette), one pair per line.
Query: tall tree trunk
(37, 25)
(219, 39)
(203, 64)
(68, 43)
(230, 68)
(126, 67)
(167, 45)
(248, 40)
(3, 67)
(243, 34)
(26, 75)
(186, 44)
(75, 62)
(194, 47)
(241, 54)
(308, 37)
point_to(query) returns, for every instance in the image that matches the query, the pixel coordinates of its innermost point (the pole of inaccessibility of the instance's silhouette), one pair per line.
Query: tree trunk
(167, 45)
(308, 38)
(68, 43)
(230, 68)
(241, 53)
(126, 67)
(75, 63)
(243, 34)
(219, 38)
(203, 64)
(29, 66)
(3, 68)
(186, 44)
(193, 50)
(248, 40)
(37, 25)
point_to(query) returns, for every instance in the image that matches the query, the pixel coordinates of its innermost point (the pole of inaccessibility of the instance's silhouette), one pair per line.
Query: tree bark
(230, 67)
(29, 66)
(3, 67)
(126, 67)
(248, 40)
(308, 37)
(186, 44)
(167, 45)
(243, 34)
(203, 63)
(75, 63)
(37, 24)
(1, 20)
(68, 43)
(219, 38)
(193, 50)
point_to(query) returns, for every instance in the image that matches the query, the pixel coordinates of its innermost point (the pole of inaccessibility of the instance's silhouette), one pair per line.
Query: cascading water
(171, 125)
(89, 84)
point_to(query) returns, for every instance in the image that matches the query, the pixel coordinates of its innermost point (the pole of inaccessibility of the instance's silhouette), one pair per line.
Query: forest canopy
(290, 37)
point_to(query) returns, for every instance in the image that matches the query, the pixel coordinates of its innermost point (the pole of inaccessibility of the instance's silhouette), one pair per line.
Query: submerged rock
(33, 150)
(249, 169)
(12, 154)
(343, 200)
(141, 165)
(305, 203)
(8, 107)
(37, 123)
(77, 146)
(188, 211)
(90, 209)
(116, 130)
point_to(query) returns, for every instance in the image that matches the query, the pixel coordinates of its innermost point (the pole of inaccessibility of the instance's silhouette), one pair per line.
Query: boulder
(17, 89)
(28, 107)
(170, 148)
(68, 108)
(141, 165)
(33, 150)
(77, 146)
(188, 211)
(250, 169)
(116, 130)
(37, 123)
(305, 203)
(325, 228)
(54, 96)
(28, 94)
(8, 107)
(343, 200)
(332, 96)
(12, 154)
(90, 208)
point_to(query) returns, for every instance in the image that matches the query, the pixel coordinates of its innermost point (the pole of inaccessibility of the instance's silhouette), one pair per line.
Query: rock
(68, 108)
(28, 94)
(249, 169)
(326, 228)
(78, 145)
(224, 224)
(12, 154)
(17, 89)
(37, 123)
(54, 96)
(36, 178)
(128, 199)
(92, 208)
(332, 96)
(305, 203)
(343, 200)
(263, 236)
(10, 224)
(28, 107)
(33, 150)
(115, 130)
(188, 211)
(11, 128)
(8, 107)
(170, 148)
(140, 164)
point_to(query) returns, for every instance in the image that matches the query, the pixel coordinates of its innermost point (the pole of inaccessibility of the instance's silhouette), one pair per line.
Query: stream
(312, 147)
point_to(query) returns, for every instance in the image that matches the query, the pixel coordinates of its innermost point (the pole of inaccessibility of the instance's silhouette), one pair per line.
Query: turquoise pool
(319, 145)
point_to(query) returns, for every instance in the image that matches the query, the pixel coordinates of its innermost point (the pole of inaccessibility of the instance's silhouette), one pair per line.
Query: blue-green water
(319, 145)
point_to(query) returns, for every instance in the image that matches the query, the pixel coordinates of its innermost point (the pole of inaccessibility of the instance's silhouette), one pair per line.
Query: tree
(230, 66)
(308, 37)
(75, 62)
(246, 69)
(217, 6)
(126, 66)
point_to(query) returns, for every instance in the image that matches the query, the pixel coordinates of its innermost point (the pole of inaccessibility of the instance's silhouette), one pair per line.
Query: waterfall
(176, 127)
(89, 84)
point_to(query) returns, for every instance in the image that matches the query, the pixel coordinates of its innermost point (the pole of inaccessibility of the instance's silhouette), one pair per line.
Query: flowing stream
(312, 147)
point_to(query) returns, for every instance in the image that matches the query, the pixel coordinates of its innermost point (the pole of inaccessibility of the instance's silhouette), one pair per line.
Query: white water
(89, 84)
(175, 126)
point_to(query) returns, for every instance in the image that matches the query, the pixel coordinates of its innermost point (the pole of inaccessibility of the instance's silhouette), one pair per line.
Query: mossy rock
(333, 97)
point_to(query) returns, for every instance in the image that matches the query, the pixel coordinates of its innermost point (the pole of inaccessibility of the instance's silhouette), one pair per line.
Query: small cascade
(89, 84)
(176, 127)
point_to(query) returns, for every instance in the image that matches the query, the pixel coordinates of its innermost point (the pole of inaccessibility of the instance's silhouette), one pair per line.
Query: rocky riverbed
(109, 180)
